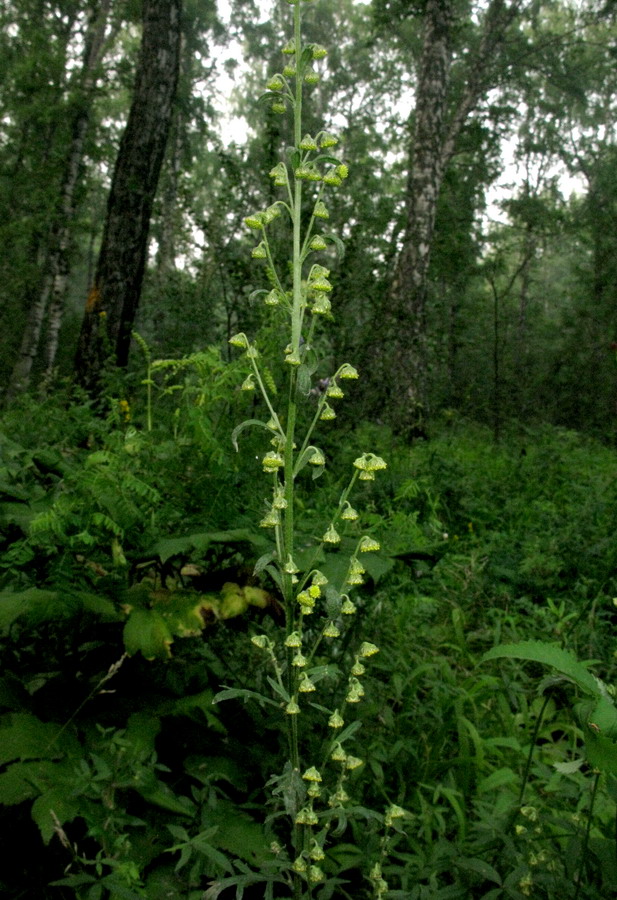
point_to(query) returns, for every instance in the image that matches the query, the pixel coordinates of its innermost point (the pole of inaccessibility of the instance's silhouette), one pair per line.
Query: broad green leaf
(23, 736)
(549, 655)
(147, 631)
(56, 801)
(480, 867)
(499, 778)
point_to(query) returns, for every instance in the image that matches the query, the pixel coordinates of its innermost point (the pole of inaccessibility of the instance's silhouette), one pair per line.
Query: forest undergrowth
(127, 599)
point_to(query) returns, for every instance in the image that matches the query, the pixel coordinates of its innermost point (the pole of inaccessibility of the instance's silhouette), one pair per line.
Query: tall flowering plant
(313, 792)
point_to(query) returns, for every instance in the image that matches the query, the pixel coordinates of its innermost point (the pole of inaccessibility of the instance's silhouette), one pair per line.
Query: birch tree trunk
(57, 266)
(114, 297)
(437, 123)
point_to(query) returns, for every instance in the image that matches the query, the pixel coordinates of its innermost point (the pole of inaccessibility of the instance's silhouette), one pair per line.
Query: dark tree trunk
(114, 297)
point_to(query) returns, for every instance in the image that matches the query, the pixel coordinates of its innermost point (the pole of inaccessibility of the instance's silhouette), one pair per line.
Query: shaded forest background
(451, 305)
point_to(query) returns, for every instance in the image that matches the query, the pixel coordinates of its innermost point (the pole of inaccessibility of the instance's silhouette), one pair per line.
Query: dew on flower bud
(248, 384)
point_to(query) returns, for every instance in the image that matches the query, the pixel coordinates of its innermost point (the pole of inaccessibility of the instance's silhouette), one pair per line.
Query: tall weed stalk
(309, 673)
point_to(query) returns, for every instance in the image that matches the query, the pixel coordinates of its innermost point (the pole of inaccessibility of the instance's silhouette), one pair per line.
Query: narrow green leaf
(550, 655)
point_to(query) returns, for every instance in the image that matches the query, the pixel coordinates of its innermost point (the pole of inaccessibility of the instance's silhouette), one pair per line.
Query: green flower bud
(306, 602)
(347, 371)
(272, 461)
(259, 252)
(334, 391)
(356, 567)
(321, 307)
(392, 813)
(248, 384)
(349, 514)
(279, 107)
(317, 458)
(292, 708)
(321, 210)
(255, 221)
(312, 774)
(302, 172)
(292, 359)
(239, 340)
(318, 243)
(320, 284)
(358, 669)
(332, 179)
(354, 580)
(338, 754)
(316, 852)
(336, 720)
(311, 77)
(314, 591)
(327, 413)
(319, 579)
(290, 48)
(279, 173)
(308, 143)
(299, 661)
(291, 569)
(331, 630)
(367, 649)
(339, 798)
(352, 762)
(260, 640)
(272, 213)
(273, 298)
(315, 874)
(319, 52)
(368, 545)
(276, 83)
(299, 865)
(306, 816)
(342, 171)
(289, 71)
(313, 791)
(375, 463)
(305, 686)
(293, 640)
(348, 608)
(327, 140)
(331, 536)
(271, 519)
